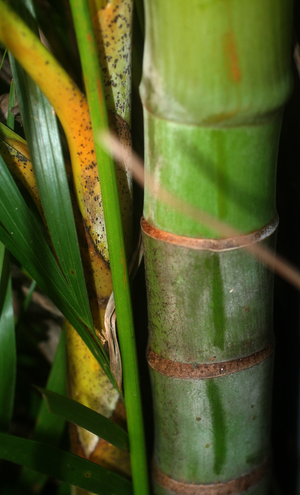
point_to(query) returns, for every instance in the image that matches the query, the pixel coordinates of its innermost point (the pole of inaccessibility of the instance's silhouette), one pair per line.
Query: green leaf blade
(27, 236)
(22, 233)
(86, 418)
(7, 343)
(11, 103)
(49, 428)
(49, 168)
(45, 149)
(63, 466)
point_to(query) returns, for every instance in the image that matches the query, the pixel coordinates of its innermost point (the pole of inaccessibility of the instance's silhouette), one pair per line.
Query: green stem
(215, 78)
(117, 254)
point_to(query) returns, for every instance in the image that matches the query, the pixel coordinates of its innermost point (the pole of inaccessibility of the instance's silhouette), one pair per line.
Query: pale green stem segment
(215, 78)
(113, 222)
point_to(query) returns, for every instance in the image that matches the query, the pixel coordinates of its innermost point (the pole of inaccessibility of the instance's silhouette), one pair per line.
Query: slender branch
(116, 246)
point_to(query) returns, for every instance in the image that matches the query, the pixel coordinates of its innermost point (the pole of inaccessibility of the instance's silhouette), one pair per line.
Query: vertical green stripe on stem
(113, 222)
(217, 302)
(218, 425)
(205, 306)
(212, 430)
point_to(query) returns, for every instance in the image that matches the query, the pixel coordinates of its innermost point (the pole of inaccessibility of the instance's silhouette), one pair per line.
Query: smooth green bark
(222, 419)
(209, 305)
(215, 77)
(227, 172)
(217, 61)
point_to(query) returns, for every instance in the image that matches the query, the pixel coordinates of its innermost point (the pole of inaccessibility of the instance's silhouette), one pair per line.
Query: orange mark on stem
(231, 56)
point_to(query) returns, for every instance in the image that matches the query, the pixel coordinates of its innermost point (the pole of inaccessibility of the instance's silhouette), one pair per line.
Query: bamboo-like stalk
(215, 78)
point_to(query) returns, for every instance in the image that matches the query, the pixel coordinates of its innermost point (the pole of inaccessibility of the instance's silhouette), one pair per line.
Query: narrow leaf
(63, 466)
(7, 343)
(86, 418)
(11, 103)
(23, 234)
(26, 302)
(6, 132)
(3, 57)
(57, 74)
(49, 428)
(43, 140)
(67, 99)
(26, 233)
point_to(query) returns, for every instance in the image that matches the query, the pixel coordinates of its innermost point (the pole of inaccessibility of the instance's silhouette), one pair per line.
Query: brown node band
(202, 244)
(228, 488)
(196, 371)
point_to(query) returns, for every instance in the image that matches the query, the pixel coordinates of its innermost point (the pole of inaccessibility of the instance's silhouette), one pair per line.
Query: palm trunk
(216, 75)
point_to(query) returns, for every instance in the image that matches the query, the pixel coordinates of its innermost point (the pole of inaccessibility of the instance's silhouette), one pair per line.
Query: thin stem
(117, 254)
